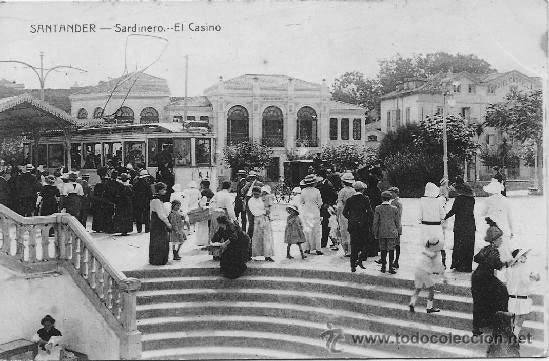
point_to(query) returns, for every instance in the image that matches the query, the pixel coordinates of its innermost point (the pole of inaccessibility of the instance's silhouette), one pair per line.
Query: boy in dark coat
(386, 228)
(358, 212)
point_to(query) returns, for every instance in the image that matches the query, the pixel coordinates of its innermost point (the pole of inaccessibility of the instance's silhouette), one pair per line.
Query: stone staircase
(194, 313)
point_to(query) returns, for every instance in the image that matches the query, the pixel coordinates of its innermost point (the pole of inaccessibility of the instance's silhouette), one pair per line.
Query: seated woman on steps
(48, 339)
(234, 245)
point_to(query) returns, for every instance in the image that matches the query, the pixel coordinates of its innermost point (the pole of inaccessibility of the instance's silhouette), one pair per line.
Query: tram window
(182, 152)
(158, 145)
(55, 155)
(41, 155)
(76, 152)
(27, 153)
(92, 155)
(134, 153)
(202, 151)
(112, 153)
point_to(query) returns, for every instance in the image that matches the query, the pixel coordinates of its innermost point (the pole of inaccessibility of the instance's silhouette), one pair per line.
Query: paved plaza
(131, 252)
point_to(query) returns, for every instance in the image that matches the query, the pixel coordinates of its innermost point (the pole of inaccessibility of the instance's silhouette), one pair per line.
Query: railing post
(130, 343)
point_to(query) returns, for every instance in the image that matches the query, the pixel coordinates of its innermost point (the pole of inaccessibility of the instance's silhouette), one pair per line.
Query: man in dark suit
(359, 214)
(246, 192)
(329, 197)
(239, 207)
(386, 228)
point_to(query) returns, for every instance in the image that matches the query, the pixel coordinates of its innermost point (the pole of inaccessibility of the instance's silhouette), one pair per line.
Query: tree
(398, 69)
(520, 115)
(354, 88)
(505, 156)
(348, 156)
(12, 147)
(247, 155)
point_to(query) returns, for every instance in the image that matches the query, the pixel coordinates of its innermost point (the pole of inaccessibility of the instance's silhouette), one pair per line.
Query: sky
(308, 40)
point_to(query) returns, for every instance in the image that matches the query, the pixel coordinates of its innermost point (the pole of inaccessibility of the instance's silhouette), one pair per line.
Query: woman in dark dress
(123, 215)
(98, 202)
(464, 228)
(234, 245)
(489, 293)
(159, 244)
(50, 194)
(374, 195)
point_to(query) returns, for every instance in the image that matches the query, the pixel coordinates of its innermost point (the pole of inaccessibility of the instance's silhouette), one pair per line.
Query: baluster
(60, 241)
(100, 282)
(45, 233)
(84, 261)
(6, 236)
(77, 253)
(69, 237)
(116, 307)
(19, 241)
(91, 276)
(108, 288)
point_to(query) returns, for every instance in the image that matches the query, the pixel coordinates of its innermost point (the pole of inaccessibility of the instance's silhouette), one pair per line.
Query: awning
(26, 115)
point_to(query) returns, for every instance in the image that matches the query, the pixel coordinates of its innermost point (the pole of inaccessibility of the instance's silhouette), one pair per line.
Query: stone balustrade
(41, 244)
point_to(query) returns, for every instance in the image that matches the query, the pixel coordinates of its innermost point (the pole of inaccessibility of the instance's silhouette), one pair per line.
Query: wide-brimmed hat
(253, 173)
(296, 190)
(348, 178)
(492, 234)
(431, 190)
(29, 167)
(46, 319)
(143, 173)
(517, 253)
(358, 185)
(310, 179)
(266, 189)
(50, 179)
(72, 176)
(494, 187)
(464, 189)
(293, 206)
(241, 172)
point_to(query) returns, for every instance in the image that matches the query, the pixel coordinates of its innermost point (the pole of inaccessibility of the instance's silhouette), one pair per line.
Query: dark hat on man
(493, 233)
(464, 189)
(386, 196)
(394, 190)
(47, 318)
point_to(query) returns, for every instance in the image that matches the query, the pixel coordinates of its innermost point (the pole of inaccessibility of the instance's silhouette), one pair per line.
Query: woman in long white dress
(345, 193)
(498, 209)
(262, 240)
(193, 200)
(311, 201)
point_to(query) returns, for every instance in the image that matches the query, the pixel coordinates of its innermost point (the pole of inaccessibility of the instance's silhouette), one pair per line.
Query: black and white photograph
(297, 180)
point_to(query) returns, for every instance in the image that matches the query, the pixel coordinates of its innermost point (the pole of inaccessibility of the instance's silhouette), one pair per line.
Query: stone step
(218, 352)
(340, 278)
(361, 312)
(292, 290)
(297, 329)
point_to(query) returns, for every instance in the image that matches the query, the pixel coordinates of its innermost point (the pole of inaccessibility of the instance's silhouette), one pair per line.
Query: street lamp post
(41, 76)
(450, 102)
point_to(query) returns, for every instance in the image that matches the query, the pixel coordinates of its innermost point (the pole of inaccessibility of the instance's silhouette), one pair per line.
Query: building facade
(471, 94)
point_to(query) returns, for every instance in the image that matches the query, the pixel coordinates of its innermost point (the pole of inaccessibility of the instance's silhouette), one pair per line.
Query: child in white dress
(519, 286)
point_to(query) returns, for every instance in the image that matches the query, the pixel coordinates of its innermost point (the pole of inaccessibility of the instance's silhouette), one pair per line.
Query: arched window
(307, 127)
(148, 115)
(273, 127)
(98, 113)
(237, 125)
(124, 115)
(82, 114)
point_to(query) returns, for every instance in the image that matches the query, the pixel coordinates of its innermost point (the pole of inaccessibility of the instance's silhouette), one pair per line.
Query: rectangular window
(76, 152)
(398, 117)
(112, 154)
(357, 129)
(388, 120)
(491, 89)
(345, 128)
(466, 113)
(191, 118)
(407, 115)
(273, 170)
(202, 150)
(160, 148)
(333, 128)
(471, 89)
(177, 119)
(41, 155)
(134, 153)
(439, 110)
(56, 155)
(204, 118)
(182, 151)
(490, 139)
(92, 155)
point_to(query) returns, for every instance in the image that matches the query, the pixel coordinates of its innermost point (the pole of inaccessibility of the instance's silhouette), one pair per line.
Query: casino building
(281, 112)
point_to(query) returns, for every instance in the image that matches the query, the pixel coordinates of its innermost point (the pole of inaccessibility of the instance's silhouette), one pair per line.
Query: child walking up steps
(294, 231)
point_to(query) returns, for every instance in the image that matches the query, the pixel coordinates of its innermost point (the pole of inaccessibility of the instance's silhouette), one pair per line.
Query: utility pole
(39, 71)
(186, 83)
